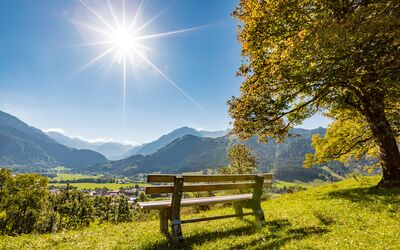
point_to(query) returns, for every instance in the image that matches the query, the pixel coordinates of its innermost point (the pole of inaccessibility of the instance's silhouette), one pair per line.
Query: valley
(27, 149)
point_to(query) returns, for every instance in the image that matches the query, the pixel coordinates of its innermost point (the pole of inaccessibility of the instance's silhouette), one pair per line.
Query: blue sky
(42, 81)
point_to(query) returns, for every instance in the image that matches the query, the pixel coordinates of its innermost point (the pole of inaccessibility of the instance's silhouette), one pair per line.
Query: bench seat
(159, 205)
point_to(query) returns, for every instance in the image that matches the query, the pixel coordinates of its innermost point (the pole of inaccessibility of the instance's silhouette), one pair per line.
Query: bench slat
(206, 178)
(195, 201)
(202, 188)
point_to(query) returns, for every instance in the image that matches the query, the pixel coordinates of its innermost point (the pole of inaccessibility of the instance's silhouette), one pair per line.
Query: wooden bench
(170, 209)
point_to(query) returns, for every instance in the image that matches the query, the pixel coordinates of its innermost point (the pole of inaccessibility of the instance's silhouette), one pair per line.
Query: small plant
(294, 189)
(142, 197)
(324, 216)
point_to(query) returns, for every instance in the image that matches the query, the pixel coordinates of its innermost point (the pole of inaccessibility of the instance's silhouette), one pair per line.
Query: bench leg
(176, 228)
(256, 206)
(238, 209)
(164, 215)
(176, 232)
(259, 215)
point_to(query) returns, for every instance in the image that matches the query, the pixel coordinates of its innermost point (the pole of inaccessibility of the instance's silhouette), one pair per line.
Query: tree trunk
(388, 150)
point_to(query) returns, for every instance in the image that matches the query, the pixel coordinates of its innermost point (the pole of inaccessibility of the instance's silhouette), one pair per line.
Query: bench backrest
(199, 183)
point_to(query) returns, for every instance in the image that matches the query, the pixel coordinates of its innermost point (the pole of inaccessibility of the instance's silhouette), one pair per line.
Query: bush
(26, 206)
(24, 198)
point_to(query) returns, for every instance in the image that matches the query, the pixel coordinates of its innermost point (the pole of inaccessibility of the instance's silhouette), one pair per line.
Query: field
(69, 177)
(347, 215)
(281, 184)
(110, 186)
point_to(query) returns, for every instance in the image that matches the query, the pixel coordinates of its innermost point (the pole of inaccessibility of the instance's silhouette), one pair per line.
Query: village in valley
(97, 185)
(132, 193)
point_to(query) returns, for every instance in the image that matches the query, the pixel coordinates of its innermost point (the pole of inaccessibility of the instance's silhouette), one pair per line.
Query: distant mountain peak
(166, 139)
(112, 150)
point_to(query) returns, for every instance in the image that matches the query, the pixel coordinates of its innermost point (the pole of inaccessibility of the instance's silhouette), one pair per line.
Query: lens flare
(122, 37)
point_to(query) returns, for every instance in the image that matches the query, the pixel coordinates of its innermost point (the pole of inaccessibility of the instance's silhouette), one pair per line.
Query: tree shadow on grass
(190, 241)
(278, 225)
(370, 197)
(278, 235)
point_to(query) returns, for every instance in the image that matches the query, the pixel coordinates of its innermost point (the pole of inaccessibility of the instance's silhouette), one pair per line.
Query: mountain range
(27, 148)
(185, 154)
(152, 147)
(117, 151)
(111, 150)
(194, 153)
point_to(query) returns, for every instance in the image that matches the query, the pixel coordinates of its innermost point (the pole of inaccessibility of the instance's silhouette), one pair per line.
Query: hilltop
(351, 214)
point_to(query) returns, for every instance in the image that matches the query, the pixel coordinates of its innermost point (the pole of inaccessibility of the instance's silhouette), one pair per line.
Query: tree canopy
(339, 57)
(241, 160)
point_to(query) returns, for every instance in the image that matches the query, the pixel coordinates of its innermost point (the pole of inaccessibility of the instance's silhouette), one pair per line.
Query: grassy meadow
(281, 184)
(70, 177)
(351, 214)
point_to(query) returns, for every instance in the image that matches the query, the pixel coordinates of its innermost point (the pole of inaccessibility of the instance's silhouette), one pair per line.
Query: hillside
(188, 153)
(154, 146)
(193, 153)
(23, 146)
(346, 215)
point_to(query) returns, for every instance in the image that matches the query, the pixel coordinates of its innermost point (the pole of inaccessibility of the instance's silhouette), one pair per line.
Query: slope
(352, 214)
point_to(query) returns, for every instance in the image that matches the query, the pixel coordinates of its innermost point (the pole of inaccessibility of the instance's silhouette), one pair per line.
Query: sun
(124, 43)
(121, 35)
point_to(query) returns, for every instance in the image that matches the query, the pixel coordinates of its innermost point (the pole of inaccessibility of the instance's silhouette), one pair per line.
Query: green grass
(69, 177)
(347, 215)
(331, 172)
(281, 184)
(110, 186)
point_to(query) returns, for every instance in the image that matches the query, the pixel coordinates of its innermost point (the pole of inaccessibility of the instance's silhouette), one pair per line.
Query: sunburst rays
(121, 37)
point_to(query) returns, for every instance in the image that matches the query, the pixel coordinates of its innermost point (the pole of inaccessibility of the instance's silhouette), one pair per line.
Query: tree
(241, 160)
(74, 208)
(142, 197)
(344, 141)
(341, 57)
(124, 211)
(5, 176)
(26, 200)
